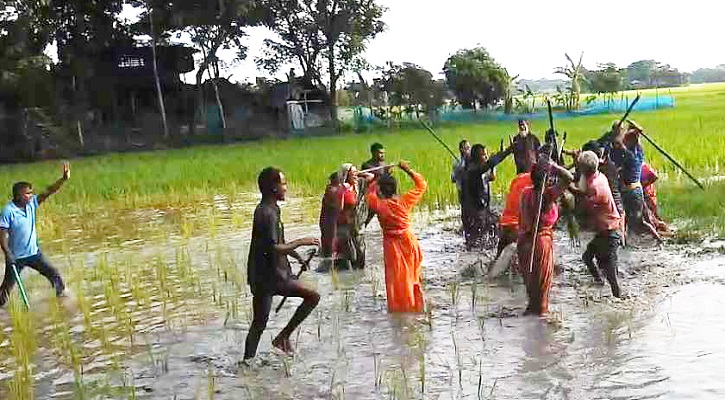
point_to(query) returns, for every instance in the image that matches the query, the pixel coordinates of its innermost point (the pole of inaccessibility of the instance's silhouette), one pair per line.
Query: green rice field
(152, 246)
(187, 180)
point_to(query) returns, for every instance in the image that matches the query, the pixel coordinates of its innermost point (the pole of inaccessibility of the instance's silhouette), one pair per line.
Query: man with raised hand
(19, 239)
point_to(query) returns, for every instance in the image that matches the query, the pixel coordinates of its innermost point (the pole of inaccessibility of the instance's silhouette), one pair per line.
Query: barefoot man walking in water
(268, 269)
(19, 240)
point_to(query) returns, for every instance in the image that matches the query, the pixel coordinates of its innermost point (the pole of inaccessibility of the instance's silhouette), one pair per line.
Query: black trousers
(262, 305)
(604, 248)
(36, 262)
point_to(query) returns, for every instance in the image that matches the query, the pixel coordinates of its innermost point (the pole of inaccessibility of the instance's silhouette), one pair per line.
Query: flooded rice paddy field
(165, 317)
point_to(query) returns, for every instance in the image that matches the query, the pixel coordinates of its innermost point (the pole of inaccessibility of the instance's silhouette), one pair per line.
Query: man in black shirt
(377, 159)
(268, 269)
(476, 193)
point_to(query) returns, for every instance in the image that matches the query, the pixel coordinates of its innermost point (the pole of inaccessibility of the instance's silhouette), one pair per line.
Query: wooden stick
(305, 265)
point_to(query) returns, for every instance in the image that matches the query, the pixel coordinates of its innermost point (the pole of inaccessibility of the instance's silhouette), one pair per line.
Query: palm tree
(575, 73)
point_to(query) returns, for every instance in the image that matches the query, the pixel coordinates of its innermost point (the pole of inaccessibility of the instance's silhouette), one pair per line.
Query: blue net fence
(363, 118)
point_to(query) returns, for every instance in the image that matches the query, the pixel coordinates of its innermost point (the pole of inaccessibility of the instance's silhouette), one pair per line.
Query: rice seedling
(211, 383)
(454, 291)
(23, 346)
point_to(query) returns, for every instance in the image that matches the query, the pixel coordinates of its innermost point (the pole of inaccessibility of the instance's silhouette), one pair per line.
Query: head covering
(344, 171)
(634, 125)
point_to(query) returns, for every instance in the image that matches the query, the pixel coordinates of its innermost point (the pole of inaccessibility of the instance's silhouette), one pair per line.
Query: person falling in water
(605, 220)
(537, 266)
(268, 269)
(19, 239)
(402, 255)
(475, 205)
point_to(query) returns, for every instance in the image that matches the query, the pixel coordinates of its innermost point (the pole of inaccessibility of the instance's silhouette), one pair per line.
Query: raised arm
(55, 186)
(493, 161)
(414, 195)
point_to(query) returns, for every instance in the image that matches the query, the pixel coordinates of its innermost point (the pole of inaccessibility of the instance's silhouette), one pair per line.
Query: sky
(529, 37)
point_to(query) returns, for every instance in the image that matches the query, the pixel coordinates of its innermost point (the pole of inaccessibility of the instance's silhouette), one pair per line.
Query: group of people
(609, 182)
(352, 198)
(610, 185)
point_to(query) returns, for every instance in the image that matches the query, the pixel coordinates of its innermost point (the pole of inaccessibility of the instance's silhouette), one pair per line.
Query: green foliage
(212, 26)
(704, 75)
(413, 87)
(607, 79)
(645, 74)
(476, 78)
(575, 73)
(325, 38)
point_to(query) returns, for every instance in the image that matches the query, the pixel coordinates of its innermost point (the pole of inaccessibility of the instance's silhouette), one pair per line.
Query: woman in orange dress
(401, 251)
(537, 266)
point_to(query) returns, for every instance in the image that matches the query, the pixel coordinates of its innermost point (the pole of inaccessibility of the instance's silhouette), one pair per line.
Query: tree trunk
(218, 98)
(159, 93)
(333, 88)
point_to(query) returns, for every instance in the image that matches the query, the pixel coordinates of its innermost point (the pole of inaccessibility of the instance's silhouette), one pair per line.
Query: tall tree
(313, 33)
(211, 26)
(25, 80)
(82, 30)
(476, 78)
(413, 87)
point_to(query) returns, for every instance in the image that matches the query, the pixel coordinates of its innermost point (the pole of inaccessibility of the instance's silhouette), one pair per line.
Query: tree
(413, 87)
(639, 73)
(650, 73)
(83, 29)
(606, 79)
(703, 75)
(476, 78)
(25, 80)
(575, 73)
(313, 31)
(212, 26)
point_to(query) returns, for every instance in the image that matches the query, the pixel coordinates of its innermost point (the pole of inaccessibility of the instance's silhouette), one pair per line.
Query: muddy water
(167, 318)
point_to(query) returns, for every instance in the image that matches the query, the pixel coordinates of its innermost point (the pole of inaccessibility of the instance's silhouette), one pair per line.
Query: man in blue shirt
(628, 155)
(18, 237)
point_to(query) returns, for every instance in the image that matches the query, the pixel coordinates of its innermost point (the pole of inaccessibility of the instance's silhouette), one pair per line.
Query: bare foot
(283, 344)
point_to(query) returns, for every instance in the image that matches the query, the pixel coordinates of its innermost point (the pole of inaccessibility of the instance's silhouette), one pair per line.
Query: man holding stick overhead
(628, 154)
(19, 240)
(268, 270)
